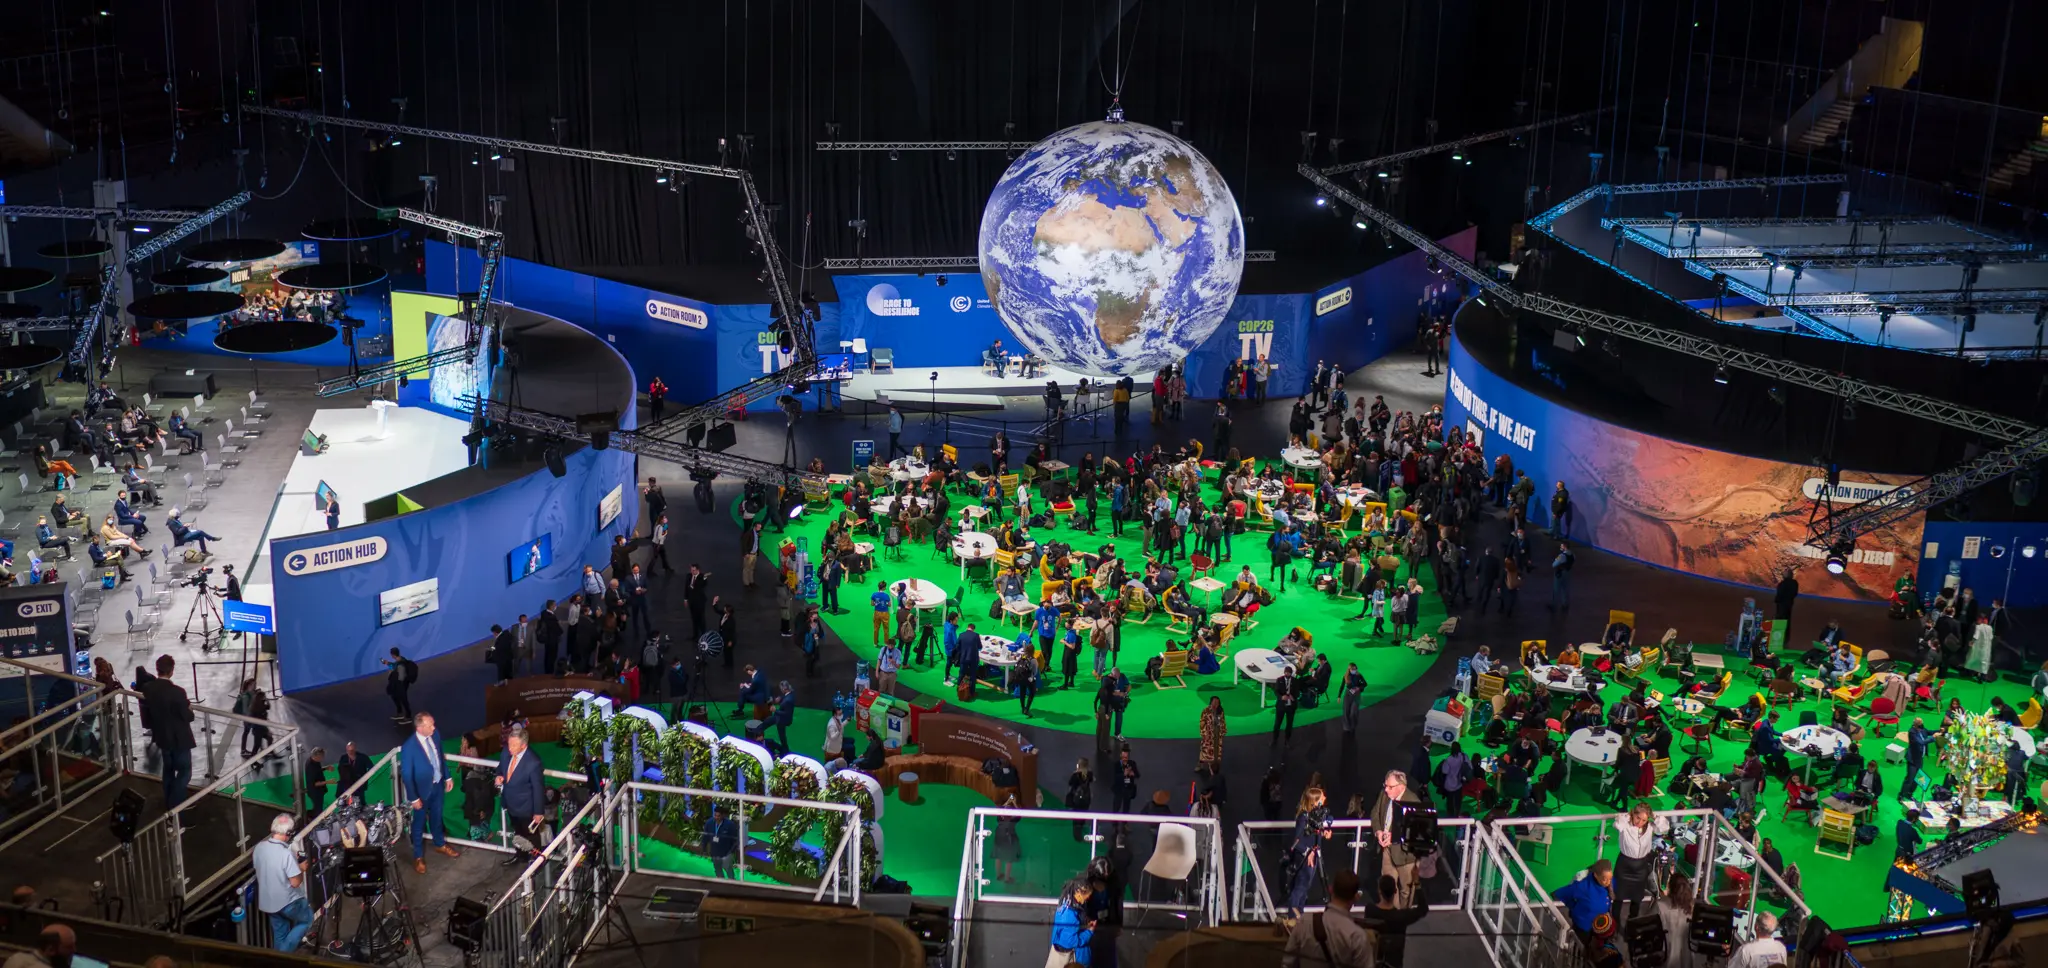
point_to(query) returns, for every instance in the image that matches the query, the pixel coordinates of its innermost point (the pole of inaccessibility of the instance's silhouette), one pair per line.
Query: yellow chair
(1625, 618)
(1712, 692)
(1536, 645)
(1176, 623)
(1659, 769)
(1008, 482)
(1850, 694)
(1137, 605)
(1260, 517)
(1839, 829)
(952, 454)
(1490, 685)
(1173, 665)
(2030, 714)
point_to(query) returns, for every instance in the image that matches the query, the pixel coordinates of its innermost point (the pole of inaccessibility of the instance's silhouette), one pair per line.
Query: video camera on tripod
(198, 578)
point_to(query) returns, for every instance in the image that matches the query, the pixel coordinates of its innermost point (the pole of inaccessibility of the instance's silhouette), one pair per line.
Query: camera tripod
(207, 611)
(384, 929)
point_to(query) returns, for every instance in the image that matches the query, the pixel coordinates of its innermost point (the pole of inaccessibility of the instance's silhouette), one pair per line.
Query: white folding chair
(149, 404)
(195, 497)
(216, 472)
(260, 408)
(146, 626)
(199, 404)
(99, 468)
(225, 449)
(150, 599)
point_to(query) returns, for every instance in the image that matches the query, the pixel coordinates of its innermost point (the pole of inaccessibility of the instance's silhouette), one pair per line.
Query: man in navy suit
(523, 795)
(753, 692)
(423, 769)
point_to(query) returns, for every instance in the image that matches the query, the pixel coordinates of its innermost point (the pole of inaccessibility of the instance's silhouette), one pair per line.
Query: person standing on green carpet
(881, 601)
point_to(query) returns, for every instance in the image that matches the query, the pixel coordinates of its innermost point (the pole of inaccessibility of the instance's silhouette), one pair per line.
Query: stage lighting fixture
(942, 278)
(952, 155)
(600, 426)
(1721, 374)
(1580, 335)
(1480, 299)
(1321, 201)
(894, 156)
(2024, 487)
(2026, 551)
(1358, 220)
(466, 924)
(553, 458)
(1383, 174)
(1457, 157)
(661, 178)
(125, 816)
(1848, 410)
(1777, 395)
(1838, 555)
(1980, 891)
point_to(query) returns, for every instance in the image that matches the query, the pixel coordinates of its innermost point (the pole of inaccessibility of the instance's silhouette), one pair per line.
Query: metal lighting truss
(81, 348)
(490, 244)
(1862, 302)
(503, 144)
(39, 324)
(637, 442)
(1846, 524)
(1564, 208)
(1465, 142)
(756, 220)
(1793, 221)
(1944, 304)
(2024, 437)
(1642, 236)
(94, 214)
(1887, 261)
(970, 262)
(925, 145)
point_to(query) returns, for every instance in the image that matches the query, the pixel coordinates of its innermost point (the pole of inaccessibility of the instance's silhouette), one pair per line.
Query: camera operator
(523, 796)
(281, 886)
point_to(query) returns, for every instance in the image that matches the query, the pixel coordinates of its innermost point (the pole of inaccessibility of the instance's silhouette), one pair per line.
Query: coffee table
(1264, 666)
(1208, 586)
(973, 546)
(1584, 747)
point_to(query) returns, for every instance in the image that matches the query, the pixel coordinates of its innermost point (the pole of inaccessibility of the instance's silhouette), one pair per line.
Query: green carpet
(1847, 893)
(1154, 713)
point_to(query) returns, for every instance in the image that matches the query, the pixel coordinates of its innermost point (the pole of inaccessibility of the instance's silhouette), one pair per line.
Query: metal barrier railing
(840, 876)
(549, 913)
(1517, 928)
(154, 873)
(1263, 844)
(87, 727)
(1198, 901)
(1719, 847)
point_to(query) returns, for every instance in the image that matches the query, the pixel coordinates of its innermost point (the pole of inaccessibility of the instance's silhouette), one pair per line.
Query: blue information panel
(247, 617)
(863, 453)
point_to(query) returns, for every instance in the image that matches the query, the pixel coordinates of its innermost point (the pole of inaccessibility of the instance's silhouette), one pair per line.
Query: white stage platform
(420, 445)
(961, 387)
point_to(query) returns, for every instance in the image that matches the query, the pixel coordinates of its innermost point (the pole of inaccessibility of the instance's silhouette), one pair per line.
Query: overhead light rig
(1462, 143)
(2025, 441)
(118, 213)
(82, 348)
(790, 312)
(490, 245)
(638, 442)
(1007, 146)
(969, 262)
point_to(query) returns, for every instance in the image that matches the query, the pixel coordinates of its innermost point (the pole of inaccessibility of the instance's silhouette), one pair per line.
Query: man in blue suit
(753, 693)
(523, 795)
(423, 769)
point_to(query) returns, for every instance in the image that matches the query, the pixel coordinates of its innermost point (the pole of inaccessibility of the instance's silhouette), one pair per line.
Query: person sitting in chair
(62, 516)
(185, 434)
(140, 488)
(47, 537)
(127, 515)
(103, 558)
(1618, 635)
(111, 536)
(46, 467)
(1205, 662)
(182, 532)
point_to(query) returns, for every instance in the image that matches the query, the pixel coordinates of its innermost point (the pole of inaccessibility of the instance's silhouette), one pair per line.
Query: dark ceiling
(1242, 79)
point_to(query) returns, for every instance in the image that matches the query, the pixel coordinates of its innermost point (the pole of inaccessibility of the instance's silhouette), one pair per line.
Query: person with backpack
(1561, 577)
(398, 685)
(651, 661)
(251, 702)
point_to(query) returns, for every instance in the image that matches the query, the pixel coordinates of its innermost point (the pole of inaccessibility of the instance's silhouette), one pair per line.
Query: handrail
(341, 797)
(290, 737)
(481, 761)
(533, 867)
(82, 700)
(31, 669)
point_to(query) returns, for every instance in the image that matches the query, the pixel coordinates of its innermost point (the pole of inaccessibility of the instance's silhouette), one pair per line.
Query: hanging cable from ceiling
(1536, 109)
(171, 79)
(1741, 95)
(1251, 86)
(1997, 99)
(1392, 135)
(1600, 97)
(1692, 35)
(1336, 138)
(1557, 91)
(1707, 107)
(1819, 61)
(1315, 36)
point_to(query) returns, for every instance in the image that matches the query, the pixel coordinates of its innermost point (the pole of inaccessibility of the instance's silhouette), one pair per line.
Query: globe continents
(1111, 248)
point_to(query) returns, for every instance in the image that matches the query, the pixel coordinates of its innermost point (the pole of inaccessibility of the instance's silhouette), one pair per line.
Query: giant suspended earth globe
(1112, 249)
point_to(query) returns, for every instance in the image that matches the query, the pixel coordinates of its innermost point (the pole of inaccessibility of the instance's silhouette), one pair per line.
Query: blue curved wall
(328, 626)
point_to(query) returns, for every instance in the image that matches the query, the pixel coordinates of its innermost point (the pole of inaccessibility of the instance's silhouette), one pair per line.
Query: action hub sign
(307, 561)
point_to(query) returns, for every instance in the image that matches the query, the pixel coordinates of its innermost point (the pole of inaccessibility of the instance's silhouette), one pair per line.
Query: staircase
(1889, 59)
(1828, 124)
(2019, 163)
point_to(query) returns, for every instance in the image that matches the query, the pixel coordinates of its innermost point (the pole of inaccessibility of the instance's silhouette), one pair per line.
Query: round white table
(973, 546)
(1584, 747)
(1264, 666)
(1688, 705)
(1302, 459)
(908, 469)
(1575, 683)
(1815, 742)
(997, 652)
(2025, 739)
(887, 505)
(924, 595)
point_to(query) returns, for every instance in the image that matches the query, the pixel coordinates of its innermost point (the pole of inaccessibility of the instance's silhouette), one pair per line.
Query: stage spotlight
(2026, 551)
(893, 156)
(661, 178)
(1457, 157)
(1721, 374)
(952, 155)
(2024, 487)
(553, 458)
(1777, 395)
(942, 278)
(1321, 201)
(1848, 410)
(1383, 174)
(1838, 555)
(1358, 220)
(1580, 335)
